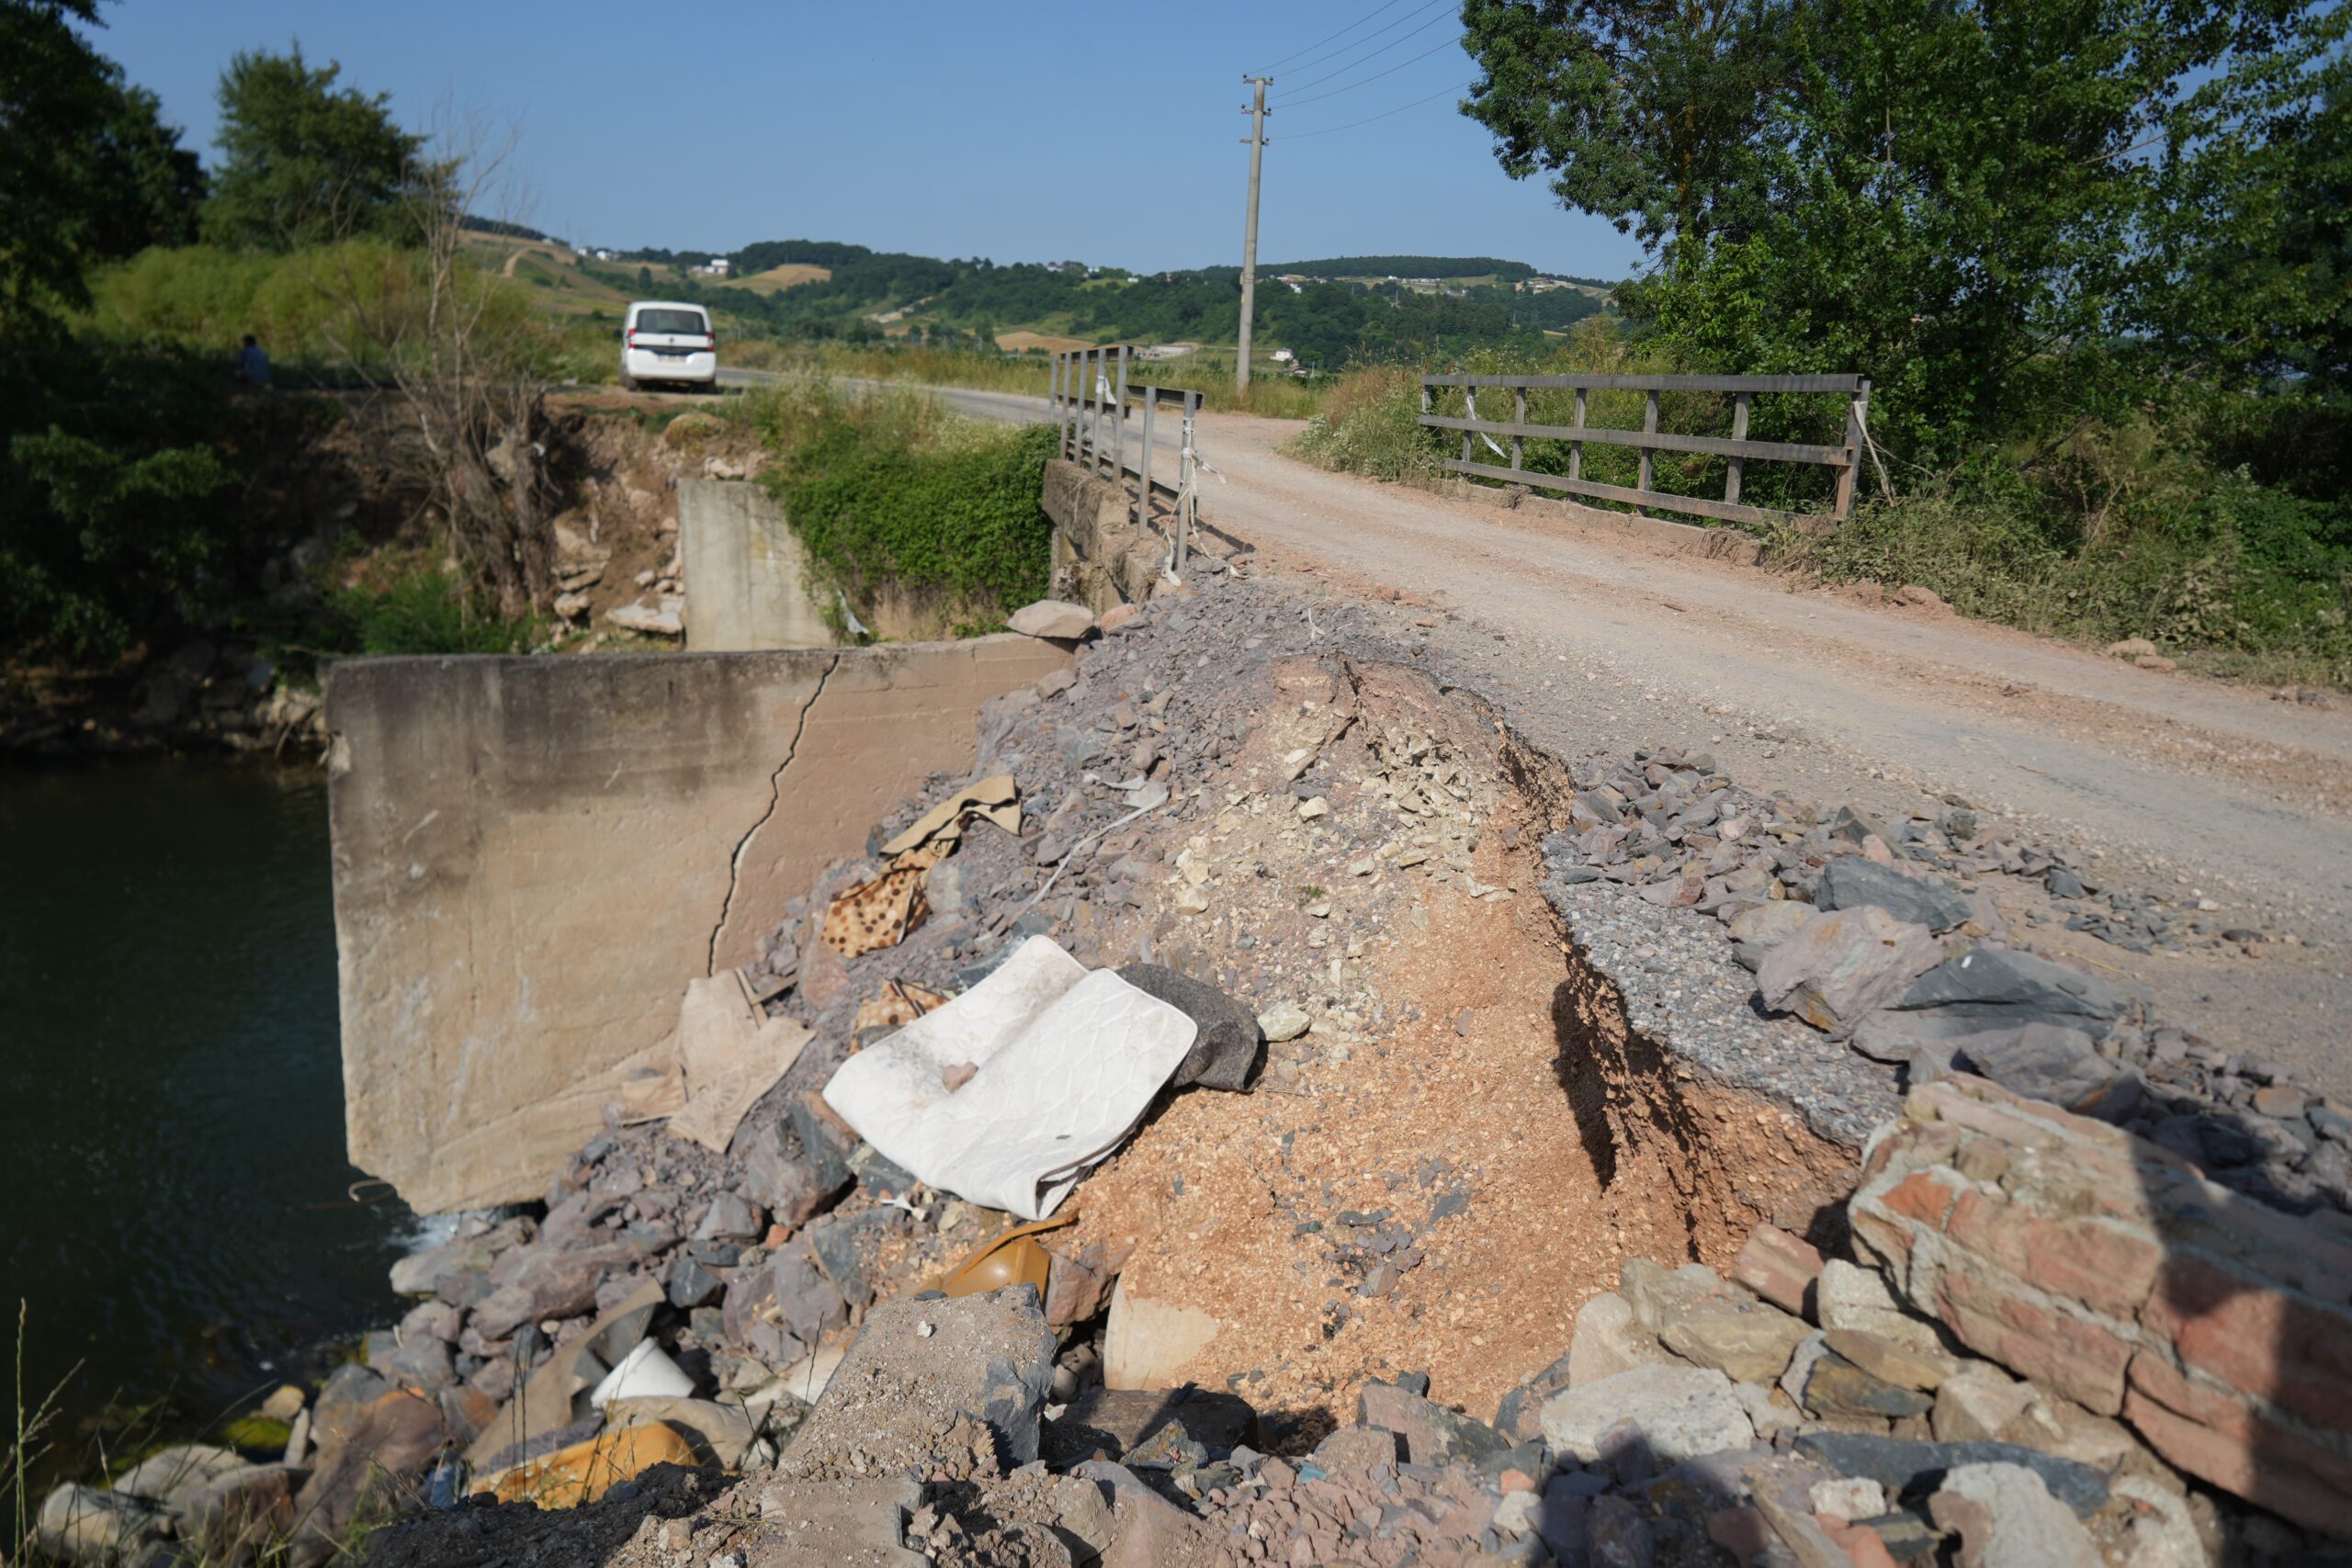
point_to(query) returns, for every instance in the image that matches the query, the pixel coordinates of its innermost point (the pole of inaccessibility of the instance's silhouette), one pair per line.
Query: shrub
(422, 608)
(1370, 426)
(890, 491)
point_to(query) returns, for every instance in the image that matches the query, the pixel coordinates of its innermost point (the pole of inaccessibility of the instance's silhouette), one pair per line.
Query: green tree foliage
(87, 170)
(304, 162)
(2090, 252)
(1945, 197)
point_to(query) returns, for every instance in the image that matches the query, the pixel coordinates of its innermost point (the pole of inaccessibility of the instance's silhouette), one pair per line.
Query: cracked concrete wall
(532, 856)
(746, 572)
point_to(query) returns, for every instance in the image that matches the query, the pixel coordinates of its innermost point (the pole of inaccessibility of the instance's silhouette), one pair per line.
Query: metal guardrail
(1845, 459)
(1089, 389)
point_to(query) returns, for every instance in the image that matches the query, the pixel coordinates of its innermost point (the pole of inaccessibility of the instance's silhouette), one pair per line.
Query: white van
(663, 339)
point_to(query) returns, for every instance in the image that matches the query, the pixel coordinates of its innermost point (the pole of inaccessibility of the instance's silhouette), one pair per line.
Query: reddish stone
(2078, 1358)
(1778, 1267)
(2220, 1440)
(1862, 1546)
(1923, 1196)
(2097, 1262)
(2259, 1339)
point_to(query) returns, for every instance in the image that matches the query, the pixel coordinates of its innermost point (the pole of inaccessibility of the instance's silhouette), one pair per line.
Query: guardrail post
(1518, 416)
(1738, 466)
(1576, 449)
(1100, 385)
(1119, 421)
(1187, 488)
(1143, 475)
(1854, 406)
(1054, 404)
(1649, 427)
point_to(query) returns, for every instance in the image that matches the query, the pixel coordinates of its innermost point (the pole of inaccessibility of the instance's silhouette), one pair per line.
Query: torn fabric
(1053, 1066)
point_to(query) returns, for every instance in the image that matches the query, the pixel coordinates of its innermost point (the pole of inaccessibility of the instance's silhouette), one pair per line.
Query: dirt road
(2192, 787)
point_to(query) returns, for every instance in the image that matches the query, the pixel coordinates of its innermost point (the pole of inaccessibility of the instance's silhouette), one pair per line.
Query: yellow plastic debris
(585, 1471)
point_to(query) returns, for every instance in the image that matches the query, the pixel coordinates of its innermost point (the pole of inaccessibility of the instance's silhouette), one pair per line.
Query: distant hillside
(1405, 267)
(808, 289)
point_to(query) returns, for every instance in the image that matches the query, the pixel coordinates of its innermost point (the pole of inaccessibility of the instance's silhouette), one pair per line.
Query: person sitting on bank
(253, 365)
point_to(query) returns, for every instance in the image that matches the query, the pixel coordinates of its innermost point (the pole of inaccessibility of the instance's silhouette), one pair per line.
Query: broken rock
(918, 1366)
(1852, 882)
(2006, 1518)
(1676, 1413)
(1225, 1047)
(1842, 965)
(1056, 618)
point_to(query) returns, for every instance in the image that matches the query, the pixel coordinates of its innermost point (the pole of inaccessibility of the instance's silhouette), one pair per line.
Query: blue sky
(1020, 130)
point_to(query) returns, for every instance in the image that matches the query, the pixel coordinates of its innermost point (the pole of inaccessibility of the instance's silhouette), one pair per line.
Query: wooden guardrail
(1845, 459)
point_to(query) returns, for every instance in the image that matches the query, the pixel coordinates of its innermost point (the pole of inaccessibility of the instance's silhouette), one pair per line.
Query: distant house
(1284, 357)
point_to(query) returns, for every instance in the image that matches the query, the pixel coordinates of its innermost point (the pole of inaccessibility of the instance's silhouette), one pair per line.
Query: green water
(173, 1208)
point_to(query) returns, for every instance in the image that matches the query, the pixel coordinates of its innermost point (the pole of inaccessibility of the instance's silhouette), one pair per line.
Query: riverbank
(180, 1230)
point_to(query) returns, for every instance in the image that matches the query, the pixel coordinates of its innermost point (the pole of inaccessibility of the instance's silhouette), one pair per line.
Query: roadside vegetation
(2094, 263)
(897, 498)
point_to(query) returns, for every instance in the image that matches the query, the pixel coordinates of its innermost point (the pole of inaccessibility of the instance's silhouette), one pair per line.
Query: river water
(175, 1214)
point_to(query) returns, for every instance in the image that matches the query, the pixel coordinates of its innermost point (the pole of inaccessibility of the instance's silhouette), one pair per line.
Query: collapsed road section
(1403, 1143)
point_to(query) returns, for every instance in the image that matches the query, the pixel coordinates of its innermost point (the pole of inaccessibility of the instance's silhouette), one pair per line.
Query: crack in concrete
(775, 798)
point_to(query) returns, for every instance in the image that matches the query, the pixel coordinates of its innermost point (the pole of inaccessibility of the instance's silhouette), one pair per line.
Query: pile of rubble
(1890, 938)
(1341, 1298)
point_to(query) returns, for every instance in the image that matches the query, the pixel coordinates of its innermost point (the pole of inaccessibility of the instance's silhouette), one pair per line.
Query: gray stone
(1227, 1046)
(2053, 1063)
(546, 1281)
(1835, 1386)
(1432, 1434)
(1695, 1315)
(1986, 988)
(1517, 1414)
(84, 1525)
(2006, 1518)
(170, 1477)
(809, 1302)
(731, 1217)
(1980, 1403)
(1905, 1465)
(1608, 1339)
(1854, 825)
(1284, 1021)
(916, 1367)
(1849, 882)
(1851, 1296)
(1841, 964)
(1056, 618)
(1763, 927)
(1672, 1412)
(791, 1189)
(691, 1285)
(1118, 1420)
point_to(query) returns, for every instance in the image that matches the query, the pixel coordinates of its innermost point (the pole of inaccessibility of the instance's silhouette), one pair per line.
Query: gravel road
(1591, 638)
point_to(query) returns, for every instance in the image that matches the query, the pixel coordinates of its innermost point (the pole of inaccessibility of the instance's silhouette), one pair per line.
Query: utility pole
(1256, 139)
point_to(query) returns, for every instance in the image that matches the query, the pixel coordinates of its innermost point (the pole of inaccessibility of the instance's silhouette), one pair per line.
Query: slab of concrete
(532, 856)
(746, 571)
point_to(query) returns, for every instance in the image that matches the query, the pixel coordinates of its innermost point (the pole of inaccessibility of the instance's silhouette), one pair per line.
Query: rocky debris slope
(1890, 938)
(1437, 1115)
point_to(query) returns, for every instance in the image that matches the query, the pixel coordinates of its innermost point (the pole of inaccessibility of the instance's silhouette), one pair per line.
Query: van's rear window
(671, 321)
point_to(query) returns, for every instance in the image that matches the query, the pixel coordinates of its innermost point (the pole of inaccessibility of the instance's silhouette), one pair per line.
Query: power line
(1330, 75)
(1319, 43)
(1319, 97)
(1345, 48)
(1401, 109)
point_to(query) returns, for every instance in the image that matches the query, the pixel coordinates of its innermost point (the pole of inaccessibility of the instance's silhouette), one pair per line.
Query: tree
(457, 352)
(87, 170)
(304, 162)
(1955, 199)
